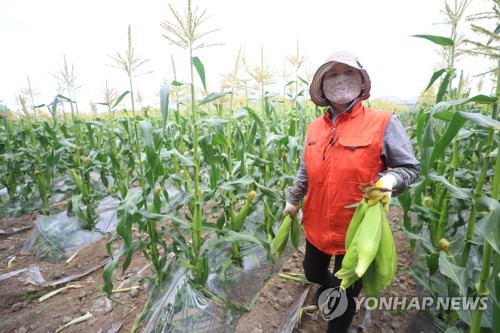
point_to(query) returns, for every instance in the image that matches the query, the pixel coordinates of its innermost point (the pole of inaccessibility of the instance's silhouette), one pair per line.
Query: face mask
(342, 89)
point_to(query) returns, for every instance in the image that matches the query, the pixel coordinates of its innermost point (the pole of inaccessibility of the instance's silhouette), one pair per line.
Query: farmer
(349, 145)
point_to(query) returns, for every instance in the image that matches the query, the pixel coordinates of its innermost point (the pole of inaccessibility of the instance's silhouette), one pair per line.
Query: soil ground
(21, 311)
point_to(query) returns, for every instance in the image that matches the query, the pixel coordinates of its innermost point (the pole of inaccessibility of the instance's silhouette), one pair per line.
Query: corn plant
(455, 141)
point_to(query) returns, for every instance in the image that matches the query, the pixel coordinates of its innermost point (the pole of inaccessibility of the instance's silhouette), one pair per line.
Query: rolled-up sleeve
(399, 156)
(297, 192)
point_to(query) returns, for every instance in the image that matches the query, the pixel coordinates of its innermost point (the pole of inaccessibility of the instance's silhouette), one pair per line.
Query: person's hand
(383, 192)
(290, 209)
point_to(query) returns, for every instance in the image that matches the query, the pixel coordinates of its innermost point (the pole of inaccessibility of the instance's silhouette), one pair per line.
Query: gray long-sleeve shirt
(397, 152)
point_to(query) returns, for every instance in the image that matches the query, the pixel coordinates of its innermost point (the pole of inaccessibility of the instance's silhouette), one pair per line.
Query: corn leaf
(201, 71)
(434, 77)
(237, 184)
(456, 192)
(212, 97)
(457, 274)
(240, 114)
(439, 40)
(233, 237)
(479, 99)
(119, 99)
(481, 120)
(443, 87)
(451, 131)
(493, 285)
(164, 97)
(488, 226)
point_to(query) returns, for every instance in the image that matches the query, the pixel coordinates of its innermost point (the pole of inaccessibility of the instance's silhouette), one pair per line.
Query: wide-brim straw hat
(345, 57)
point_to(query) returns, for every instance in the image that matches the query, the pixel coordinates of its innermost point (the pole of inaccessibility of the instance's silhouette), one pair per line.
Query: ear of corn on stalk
(370, 250)
(243, 213)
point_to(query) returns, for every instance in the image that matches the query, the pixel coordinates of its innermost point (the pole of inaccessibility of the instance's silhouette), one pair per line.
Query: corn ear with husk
(386, 258)
(369, 238)
(295, 232)
(356, 220)
(244, 211)
(281, 239)
(370, 250)
(350, 260)
(371, 281)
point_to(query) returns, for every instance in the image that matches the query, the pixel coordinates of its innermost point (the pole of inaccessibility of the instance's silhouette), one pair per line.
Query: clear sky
(35, 35)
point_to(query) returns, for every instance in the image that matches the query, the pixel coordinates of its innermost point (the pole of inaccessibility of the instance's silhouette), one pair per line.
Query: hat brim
(316, 88)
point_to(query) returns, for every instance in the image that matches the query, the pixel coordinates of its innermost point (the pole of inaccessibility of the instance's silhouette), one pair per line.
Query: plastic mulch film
(55, 238)
(179, 307)
(290, 320)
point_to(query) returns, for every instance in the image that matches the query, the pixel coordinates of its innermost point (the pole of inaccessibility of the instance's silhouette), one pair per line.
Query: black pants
(316, 268)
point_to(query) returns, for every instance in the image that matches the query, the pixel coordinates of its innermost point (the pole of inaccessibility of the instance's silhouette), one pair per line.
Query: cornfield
(224, 153)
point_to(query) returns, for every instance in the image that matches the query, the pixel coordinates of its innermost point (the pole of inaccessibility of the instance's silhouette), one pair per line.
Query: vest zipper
(332, 140)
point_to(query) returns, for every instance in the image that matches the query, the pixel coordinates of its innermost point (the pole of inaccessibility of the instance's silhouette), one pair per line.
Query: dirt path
(21, 312)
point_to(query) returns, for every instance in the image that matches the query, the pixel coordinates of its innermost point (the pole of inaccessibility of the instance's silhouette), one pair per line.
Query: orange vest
(339, 157)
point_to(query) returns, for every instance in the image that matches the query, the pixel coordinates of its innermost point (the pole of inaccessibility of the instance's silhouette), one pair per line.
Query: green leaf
(236, 237)
(164, 96)
(456, 273)
(268, 192)
(120, 99)
(183, 159)
(240, 114)
(434, 77)
(481, 120)
(439, 40)
(486, 204)
(479, 99)
(493, 284)
(489, 225)
(256, 118)
(95, 123)
(127, 215)
(443, 87)
(237, 184)
(147, 134)
(213, 96)
(215, 122)
(451, 131)
(456, 192)
(109, 270)
(178, 84)
(201, 71)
